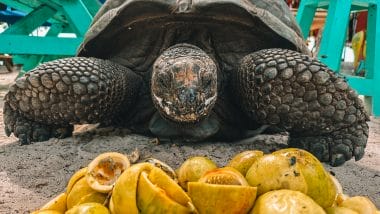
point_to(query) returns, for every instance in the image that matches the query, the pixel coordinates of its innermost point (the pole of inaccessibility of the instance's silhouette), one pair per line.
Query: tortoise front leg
(290, 90)
(47, 101)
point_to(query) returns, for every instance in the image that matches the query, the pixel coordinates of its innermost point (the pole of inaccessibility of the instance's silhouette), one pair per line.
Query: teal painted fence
(62, 16)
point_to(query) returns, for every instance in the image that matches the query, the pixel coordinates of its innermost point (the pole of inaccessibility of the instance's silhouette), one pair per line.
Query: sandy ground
(31, 175)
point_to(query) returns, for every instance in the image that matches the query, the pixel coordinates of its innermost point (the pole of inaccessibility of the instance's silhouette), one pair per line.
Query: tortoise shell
(135, 32)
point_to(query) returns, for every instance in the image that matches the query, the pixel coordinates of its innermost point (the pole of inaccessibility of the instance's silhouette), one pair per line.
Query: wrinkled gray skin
(192, 71)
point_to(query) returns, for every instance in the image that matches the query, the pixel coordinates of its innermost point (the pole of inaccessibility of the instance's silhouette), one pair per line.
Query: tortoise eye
(164, 80)
(207, 80)
(196, 68)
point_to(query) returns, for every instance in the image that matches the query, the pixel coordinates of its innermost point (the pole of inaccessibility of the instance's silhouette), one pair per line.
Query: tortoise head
(184, 83)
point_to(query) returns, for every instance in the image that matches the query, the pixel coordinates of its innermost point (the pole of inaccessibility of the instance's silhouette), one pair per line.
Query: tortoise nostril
(187, 95)
(191, 95)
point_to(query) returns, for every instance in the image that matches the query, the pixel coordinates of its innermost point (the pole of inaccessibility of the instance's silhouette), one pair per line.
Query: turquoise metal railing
(63, 16)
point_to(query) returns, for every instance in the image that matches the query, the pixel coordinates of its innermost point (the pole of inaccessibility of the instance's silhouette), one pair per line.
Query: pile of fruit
(285, 181)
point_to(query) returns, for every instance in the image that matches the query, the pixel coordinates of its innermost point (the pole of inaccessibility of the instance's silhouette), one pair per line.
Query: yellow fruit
(47, 212)
(58, 203)
(123, 199)
(88, 208)
(244, 160)
(216, 198)
(358, 41)
(83, 193)
(76, 177)
(340, 198)
(338, 186)
(340, 210)
(360, 204)
(273, 172)
(172, 189)
(286, 202)
(192, 169)
(320, 187)
(226, 175)
(146, 187)
(153, 199)
(166, 168)
(223, 190)
(105, 169)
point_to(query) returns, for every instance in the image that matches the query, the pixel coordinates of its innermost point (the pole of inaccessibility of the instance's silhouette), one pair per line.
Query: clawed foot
(336, 147)
(29, 131)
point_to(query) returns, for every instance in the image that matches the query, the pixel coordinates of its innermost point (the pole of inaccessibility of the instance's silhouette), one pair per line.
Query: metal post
(334, 34)
(305, 16)
(373, 55)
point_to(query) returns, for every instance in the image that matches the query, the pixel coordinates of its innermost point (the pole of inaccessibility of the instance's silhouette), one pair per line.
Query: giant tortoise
(193, 70)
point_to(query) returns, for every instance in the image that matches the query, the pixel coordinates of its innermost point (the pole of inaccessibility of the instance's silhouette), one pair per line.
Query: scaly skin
(321, 112)
(29, 131)
(48, 100)
(274, 87)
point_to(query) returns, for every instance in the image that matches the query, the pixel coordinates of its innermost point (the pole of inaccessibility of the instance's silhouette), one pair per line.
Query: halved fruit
(76, 177)
(226, 175)
(165, 167)
(193, 169)
(58, 203)
(216, 198)
(147, 189)
(88, 208)
(222, 190)
(244, 160)
(172, 189)
(83, 193)
(286, 202)
(105, 169)
(123, 199)
(151, 198)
